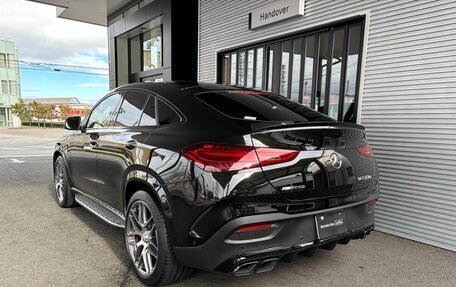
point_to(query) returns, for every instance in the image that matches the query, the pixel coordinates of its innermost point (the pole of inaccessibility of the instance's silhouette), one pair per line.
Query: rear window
(259, 106)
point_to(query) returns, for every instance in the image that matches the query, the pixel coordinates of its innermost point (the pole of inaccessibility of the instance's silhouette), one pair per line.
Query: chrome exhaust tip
(246, 268)
(267, 265)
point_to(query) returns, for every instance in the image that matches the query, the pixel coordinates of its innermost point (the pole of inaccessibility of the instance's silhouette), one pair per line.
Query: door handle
(131, 144)
(94, 139)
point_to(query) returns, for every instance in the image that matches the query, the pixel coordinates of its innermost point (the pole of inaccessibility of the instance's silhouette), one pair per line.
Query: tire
(63, 194)
(148, 243)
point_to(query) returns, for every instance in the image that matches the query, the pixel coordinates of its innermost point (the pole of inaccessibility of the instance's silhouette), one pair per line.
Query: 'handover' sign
(278, 11)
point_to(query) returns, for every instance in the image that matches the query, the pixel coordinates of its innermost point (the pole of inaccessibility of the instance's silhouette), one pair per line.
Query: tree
(32, 108)
(40, 112)
(20, 110)
(64, 111)
(48, 112)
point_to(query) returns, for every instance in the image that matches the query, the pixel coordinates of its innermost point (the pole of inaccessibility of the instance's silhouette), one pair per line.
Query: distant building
(10, 91)
(76, 107)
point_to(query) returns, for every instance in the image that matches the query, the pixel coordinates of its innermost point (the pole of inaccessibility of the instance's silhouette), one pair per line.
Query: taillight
(221, 157)
(254, 227)
(366, 151)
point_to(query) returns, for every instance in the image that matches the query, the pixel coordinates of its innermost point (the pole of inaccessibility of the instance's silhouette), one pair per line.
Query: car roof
(189, 87)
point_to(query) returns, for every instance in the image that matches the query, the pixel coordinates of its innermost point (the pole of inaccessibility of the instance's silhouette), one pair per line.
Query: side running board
(100, 209)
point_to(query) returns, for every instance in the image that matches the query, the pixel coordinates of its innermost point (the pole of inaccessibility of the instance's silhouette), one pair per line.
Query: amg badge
(293, 187)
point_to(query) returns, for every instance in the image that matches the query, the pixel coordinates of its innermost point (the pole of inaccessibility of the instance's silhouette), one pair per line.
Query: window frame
(275, 45)
(84, 126)
(182, 118)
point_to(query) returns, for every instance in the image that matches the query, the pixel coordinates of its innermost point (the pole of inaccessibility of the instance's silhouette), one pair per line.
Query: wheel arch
(56, 154)
(142, 179)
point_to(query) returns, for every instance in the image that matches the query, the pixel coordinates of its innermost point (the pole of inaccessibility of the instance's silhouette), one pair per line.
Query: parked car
(216, 177)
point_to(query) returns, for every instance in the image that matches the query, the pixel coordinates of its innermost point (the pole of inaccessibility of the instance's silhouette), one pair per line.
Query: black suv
(216, 177)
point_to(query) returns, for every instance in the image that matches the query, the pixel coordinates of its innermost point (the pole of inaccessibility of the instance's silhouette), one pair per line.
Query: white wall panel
(408, 98)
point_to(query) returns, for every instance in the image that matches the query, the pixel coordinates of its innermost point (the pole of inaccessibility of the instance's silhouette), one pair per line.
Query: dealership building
(388, 65)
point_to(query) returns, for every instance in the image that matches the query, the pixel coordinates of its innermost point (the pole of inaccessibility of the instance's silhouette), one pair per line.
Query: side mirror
(72, 123)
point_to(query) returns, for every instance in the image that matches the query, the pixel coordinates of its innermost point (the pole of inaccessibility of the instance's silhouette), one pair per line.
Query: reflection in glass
(296, 69)
(226, 69)
(241, 68)
(148, 118)
(336, 68)
(152, 49)
(102, 115)
(270, 67)
(250, 68)
(135, 54)
(233, 69)
(354, 36)
(284, 68)
(322, 70)
(131, 109)
(259, 69)
(308, 71)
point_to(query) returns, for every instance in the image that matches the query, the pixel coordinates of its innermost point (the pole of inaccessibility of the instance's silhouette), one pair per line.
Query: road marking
(21, 156)
(15, 160)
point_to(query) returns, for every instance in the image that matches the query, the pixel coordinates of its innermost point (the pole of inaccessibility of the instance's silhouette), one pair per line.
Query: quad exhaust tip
(246, 268)
(267, 265)
(260, 267)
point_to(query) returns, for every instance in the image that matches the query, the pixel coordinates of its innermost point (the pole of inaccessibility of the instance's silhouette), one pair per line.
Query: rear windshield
(259, 106)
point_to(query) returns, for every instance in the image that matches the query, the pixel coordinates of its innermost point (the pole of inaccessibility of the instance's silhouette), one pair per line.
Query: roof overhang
(88, 11)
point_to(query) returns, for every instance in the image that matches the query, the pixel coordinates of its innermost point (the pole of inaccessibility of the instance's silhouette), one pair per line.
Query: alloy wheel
(59, 180)
(141, 238)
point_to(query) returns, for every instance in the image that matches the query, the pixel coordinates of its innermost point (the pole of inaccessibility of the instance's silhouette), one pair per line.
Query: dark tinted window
(102, 114)
(148, 118)
(166, 115)
(131, 109)
(259, 106)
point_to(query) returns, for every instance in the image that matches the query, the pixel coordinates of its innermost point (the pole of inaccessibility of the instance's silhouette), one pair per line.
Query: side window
(102, 114)
(130, 111)
(149, 118)
(166, 115)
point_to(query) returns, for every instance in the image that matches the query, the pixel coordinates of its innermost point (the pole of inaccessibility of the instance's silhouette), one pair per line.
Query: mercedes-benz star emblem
(336, 161)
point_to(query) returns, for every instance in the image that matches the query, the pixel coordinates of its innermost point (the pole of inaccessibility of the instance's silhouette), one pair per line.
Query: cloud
(93, 85)
(42, 37)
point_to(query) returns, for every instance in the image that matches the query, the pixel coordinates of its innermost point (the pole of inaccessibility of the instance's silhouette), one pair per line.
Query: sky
(42, 39)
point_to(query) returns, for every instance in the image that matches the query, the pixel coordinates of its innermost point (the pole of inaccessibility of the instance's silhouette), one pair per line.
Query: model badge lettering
(335, 223)
(293, 187)
(364, 177)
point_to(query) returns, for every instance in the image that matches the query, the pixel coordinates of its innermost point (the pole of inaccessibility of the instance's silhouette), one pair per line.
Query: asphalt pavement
(44, 245)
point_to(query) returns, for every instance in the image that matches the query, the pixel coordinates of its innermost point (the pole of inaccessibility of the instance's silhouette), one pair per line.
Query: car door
(120, 147)
(83, 157)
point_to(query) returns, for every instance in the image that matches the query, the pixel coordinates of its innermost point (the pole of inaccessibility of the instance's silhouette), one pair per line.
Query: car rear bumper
(294, 233)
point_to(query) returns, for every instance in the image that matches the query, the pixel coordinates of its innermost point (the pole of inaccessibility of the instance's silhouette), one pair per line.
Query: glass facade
(152, 49)
(318, 69)
(146, 51)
